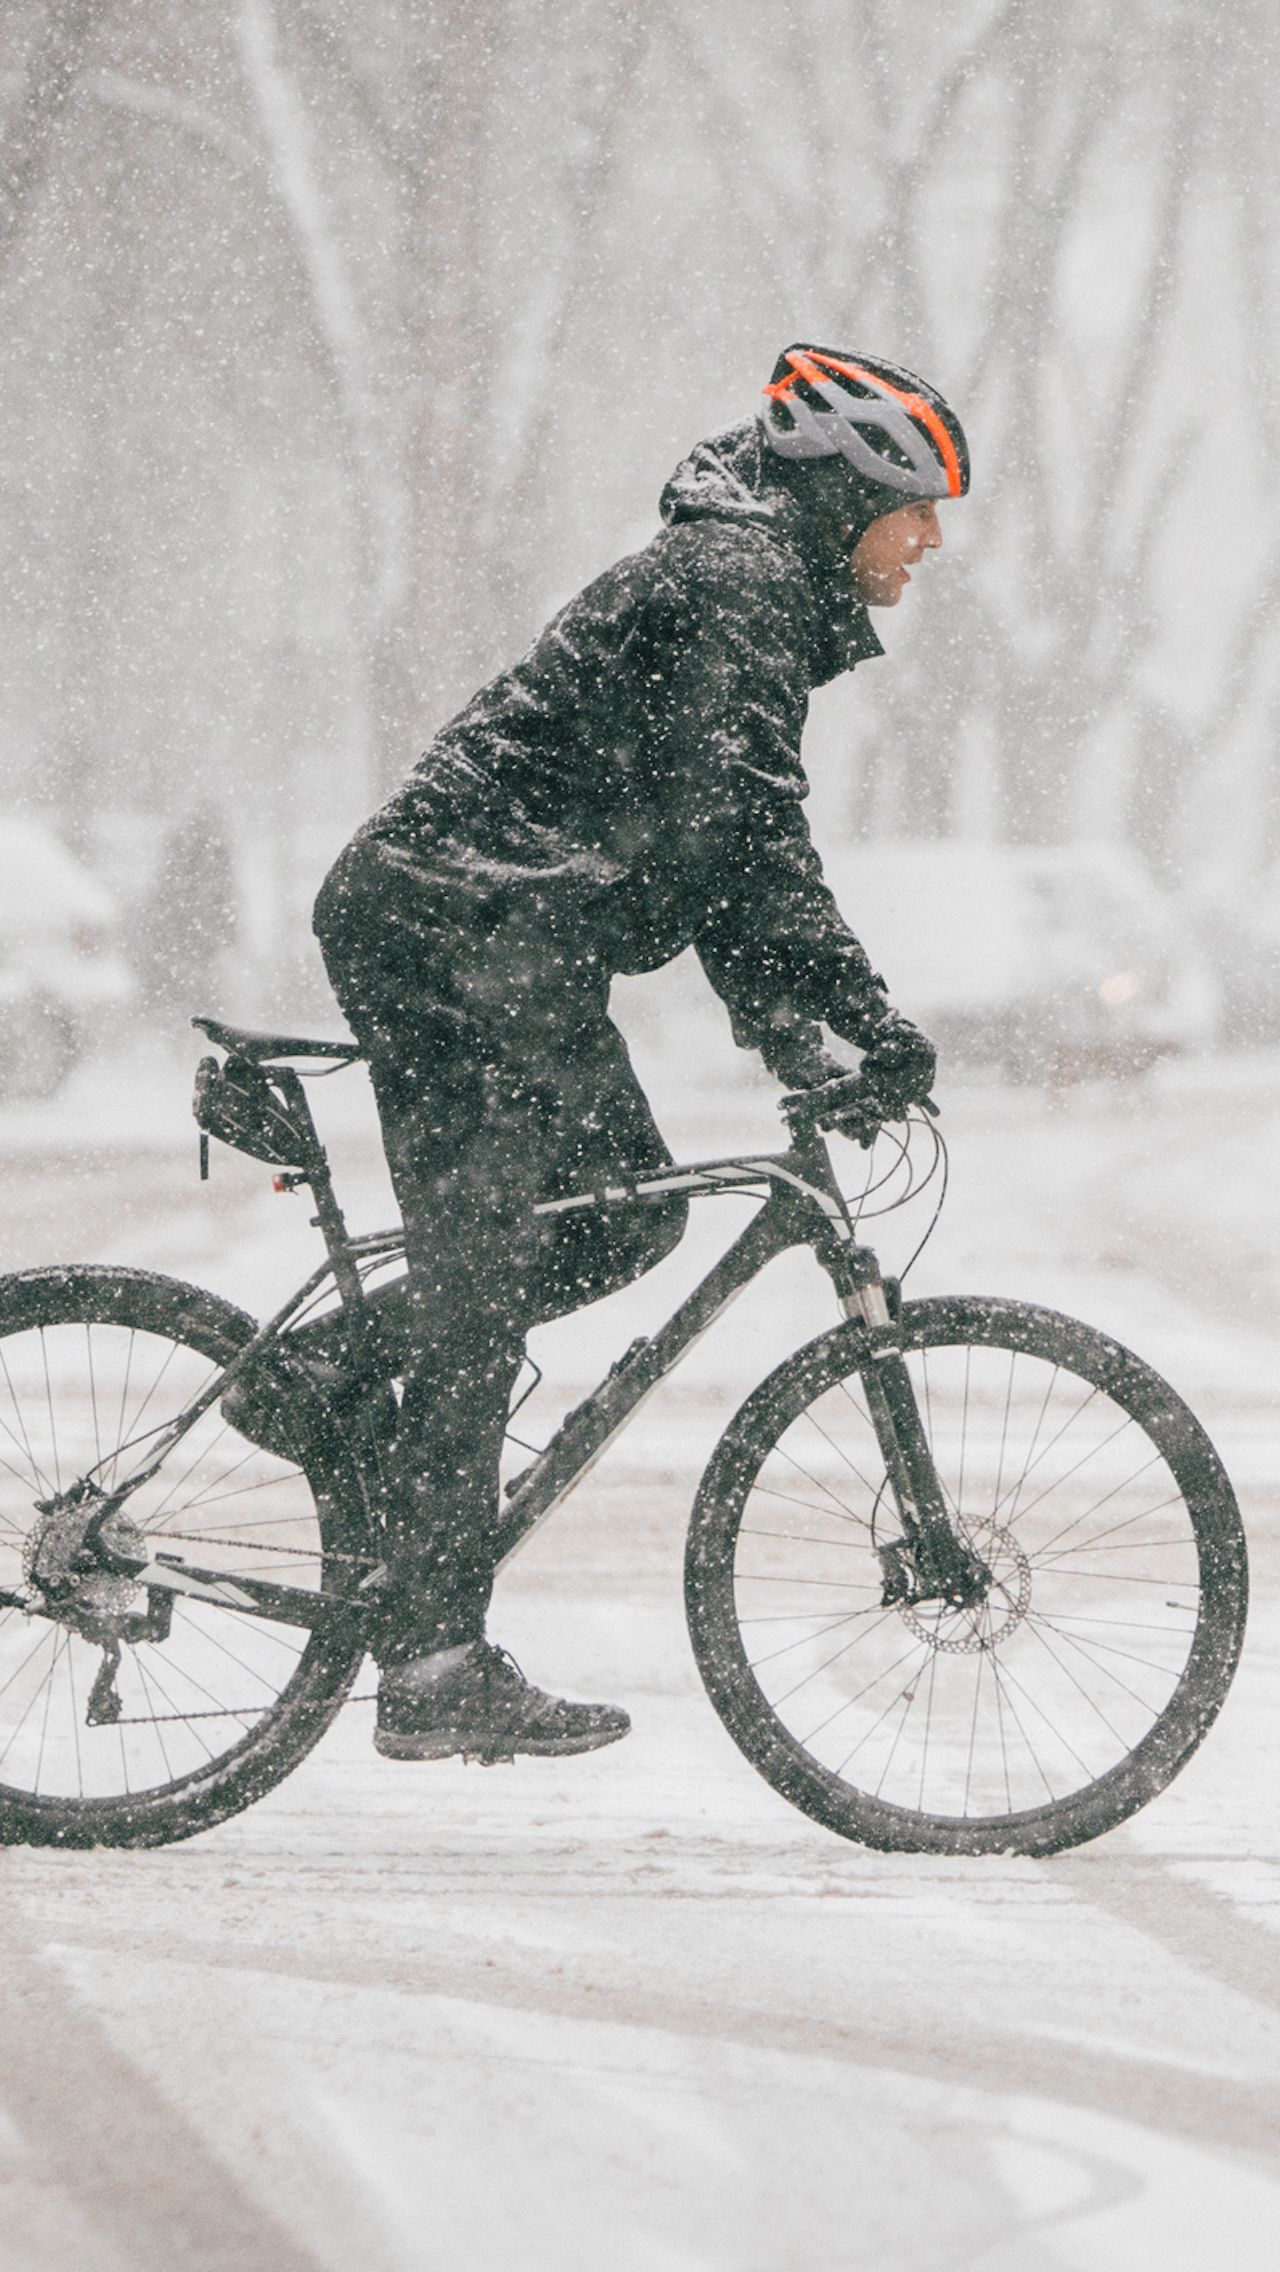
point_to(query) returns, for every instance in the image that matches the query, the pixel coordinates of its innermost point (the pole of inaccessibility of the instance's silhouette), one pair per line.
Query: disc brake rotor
(963, 1632)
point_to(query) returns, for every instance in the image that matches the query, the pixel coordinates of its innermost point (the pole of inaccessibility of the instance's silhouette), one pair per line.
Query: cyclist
(630, 788)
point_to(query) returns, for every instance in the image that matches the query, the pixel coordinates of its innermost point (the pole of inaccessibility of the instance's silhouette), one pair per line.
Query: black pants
(500, 1080)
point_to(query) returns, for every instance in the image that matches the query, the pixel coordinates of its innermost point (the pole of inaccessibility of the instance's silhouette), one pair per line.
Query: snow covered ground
(632, 2011)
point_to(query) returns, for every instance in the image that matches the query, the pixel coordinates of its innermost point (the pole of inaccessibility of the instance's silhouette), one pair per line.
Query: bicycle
(963, 1576)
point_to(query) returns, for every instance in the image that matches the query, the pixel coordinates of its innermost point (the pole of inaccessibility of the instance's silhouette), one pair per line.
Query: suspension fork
(930, 1562)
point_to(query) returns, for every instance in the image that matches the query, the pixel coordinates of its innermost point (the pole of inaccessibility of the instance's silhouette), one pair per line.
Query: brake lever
(806, 1110)
(832, 1103)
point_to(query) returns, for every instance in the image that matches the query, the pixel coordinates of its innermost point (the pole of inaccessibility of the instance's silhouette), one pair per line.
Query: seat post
(333, 1227)
(329, 1217)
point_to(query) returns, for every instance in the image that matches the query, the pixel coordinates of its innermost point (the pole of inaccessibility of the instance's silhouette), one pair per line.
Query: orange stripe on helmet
(802, 367)
(813, 367)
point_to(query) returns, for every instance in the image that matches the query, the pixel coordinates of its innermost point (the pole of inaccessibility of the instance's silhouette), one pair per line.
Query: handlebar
(849, 1105)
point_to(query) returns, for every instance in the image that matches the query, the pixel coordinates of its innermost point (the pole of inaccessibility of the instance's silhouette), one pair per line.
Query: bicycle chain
(222, 1712)
(232, 1711)
(264, 1546)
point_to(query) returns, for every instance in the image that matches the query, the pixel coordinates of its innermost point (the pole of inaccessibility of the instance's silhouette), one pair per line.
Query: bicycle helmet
(895, 432)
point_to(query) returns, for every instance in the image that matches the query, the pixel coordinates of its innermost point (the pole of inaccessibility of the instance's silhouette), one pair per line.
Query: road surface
(631, 2010)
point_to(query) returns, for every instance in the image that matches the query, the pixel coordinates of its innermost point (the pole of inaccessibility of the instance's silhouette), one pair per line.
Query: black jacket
(639, 771)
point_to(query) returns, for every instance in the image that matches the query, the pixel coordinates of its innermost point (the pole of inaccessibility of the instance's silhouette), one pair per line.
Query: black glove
(793, 1049)
(898, 1064)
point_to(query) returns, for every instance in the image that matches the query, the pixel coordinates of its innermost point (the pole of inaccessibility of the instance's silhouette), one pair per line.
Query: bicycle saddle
(242, 1041)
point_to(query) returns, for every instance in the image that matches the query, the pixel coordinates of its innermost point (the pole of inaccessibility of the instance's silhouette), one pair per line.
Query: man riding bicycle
(632, 787)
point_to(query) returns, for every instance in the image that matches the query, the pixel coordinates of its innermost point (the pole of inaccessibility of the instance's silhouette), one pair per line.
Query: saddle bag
(242, 1105)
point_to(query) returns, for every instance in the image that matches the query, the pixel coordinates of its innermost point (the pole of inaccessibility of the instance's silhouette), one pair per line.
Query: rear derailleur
(81, 1564)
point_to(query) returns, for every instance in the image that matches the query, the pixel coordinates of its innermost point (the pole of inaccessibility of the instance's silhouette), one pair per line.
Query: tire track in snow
(95, 2132)
(1208, 2108)
(1188, 1919)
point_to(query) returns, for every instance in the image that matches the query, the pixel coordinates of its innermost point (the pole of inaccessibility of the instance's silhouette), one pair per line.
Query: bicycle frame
(803, 1206)
(1051, 1504)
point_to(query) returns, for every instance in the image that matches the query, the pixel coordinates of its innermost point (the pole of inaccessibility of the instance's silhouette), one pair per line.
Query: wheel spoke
(803, 1639)
(22, 1443)
(847, 1513)
(219, 1642)
(1098, 1538)
(788, 1498)
(803, 1538)
(53, 1424)
(87, 1392)
(1124, 1484)
(1094, 1652)
(1075, 1479)
(43, 1643)
(848, 1702)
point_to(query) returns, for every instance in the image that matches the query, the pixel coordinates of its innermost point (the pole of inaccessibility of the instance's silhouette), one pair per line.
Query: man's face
(885, 553)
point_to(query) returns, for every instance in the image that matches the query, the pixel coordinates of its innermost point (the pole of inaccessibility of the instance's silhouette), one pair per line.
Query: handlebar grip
(825, 1097)
(850, 1103)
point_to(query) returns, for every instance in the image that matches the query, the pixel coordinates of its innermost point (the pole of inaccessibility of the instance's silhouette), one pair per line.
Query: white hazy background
(338, 346)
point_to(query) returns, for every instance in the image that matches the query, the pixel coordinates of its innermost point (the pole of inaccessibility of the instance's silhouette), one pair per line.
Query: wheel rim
(71, 1395)
(1046, 1688)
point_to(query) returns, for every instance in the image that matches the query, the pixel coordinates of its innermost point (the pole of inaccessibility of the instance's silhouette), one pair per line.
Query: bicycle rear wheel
(218, 1707)
(1107, 1638)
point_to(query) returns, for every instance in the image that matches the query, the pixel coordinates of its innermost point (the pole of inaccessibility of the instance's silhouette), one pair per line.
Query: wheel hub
(984, 1623)
(81, 1558)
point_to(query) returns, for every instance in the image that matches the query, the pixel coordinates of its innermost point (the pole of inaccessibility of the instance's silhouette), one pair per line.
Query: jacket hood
(725, 478)
(734, 476)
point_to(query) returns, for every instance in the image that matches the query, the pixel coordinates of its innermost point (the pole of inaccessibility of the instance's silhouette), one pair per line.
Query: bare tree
(1022, 213)
(52, 67)
(442, 291)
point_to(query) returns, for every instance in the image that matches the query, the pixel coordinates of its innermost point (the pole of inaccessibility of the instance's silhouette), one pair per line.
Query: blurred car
(63, 977)
(1240, 933)
(1055, 964)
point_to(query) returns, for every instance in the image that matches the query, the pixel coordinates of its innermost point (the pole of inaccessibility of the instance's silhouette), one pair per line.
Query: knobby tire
(1088, 1676)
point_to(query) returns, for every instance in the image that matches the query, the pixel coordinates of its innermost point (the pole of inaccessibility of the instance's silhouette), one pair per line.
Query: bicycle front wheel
(1106, 1639)
(129, 1716)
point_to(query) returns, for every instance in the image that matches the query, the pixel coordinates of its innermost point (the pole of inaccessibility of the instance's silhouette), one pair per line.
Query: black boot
(475, 1700)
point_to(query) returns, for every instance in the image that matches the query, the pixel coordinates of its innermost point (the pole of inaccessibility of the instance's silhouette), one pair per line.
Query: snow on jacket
(639, 770)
